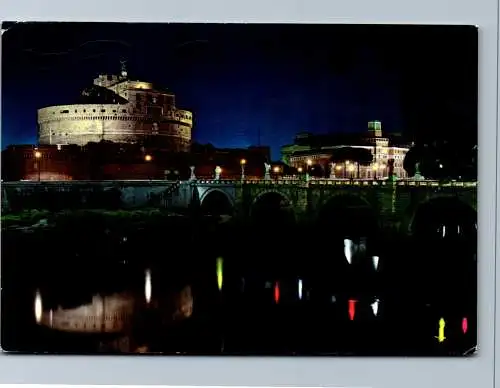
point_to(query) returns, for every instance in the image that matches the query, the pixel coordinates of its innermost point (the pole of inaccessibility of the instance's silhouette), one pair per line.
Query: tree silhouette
(442, 160)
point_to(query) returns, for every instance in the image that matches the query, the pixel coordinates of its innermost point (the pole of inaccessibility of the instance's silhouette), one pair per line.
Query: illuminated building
(316, 151)
(120, 110)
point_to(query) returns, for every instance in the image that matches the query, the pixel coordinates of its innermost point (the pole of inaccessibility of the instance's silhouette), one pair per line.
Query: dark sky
(239, 79)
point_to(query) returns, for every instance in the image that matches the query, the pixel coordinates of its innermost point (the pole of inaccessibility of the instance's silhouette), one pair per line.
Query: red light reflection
(352, 308)
(465, 325)
(276, 292)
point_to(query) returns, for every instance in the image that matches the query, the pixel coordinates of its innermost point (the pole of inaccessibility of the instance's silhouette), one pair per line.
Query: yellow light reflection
(38, 307)
(440, 337)
(219, 272)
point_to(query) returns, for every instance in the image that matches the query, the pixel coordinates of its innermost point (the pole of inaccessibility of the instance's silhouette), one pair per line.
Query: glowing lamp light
(350, 168)
(38, 306)
(352, 308)
(300, 169)
(309, 162)
(338, 168)
(219, 267)
(465, 325)
(243, 162)
(148, 286)
(148, 158)
(375, 260)
(348, 250)
(375, 307)
(299, 290)
(441, 325)
(38, 154)
(276, 292)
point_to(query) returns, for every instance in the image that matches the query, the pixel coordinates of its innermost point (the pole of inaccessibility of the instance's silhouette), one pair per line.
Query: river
(285, 288)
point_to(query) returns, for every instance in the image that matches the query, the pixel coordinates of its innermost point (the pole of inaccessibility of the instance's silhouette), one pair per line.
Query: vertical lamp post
(338, 168)
(38, 157)
(350, 168)
(276, 171)
(147, 159)
(375, 169)
(382, 169)
(308, 170)
(346, 166)
(243, 162)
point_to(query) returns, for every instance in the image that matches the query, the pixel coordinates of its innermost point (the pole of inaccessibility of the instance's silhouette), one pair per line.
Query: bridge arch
(272, 206)
(440, 204)
(347, 214)
(215, 201)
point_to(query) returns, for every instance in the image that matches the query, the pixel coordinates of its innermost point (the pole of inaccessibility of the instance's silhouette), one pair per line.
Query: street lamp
(382, 168)
(309, 164)
(351, 169)
(243, 162)
(148, 158)
(375, 169)
(38, 156)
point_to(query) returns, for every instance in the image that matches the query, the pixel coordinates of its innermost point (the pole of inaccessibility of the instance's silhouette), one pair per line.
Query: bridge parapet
(336, 182)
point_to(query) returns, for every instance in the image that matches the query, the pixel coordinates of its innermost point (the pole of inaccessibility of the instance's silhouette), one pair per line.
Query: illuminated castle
(119, 110)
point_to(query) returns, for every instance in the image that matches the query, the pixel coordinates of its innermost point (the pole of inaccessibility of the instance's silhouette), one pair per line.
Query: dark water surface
(261, 308)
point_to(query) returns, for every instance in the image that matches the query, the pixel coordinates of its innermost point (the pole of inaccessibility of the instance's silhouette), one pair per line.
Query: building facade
(119, 110)
(315, 152)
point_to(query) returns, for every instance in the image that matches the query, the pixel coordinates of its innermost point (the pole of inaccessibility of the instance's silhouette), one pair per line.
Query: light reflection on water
(258, 293)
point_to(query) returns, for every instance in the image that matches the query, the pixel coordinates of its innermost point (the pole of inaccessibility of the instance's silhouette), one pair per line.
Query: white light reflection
(148, 286)
(348, 247)
(444, 230)
(375, 307)
(300, 289)
(375, 260)
(38, 307)
(458, 229)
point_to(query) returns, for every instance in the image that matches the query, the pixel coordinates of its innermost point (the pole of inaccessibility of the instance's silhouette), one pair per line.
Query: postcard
(239, 189)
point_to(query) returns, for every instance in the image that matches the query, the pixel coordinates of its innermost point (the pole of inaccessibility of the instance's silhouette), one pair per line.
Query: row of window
(85, 111)
(104, 118)
(177, 116)
(153, 130)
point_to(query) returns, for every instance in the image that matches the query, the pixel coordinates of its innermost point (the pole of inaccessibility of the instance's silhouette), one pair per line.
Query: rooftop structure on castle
(120, 110)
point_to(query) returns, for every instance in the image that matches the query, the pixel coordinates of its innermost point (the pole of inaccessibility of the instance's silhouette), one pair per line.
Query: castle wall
(80, 124)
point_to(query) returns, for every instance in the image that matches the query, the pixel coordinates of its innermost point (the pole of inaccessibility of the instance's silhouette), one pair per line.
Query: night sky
(242, 80)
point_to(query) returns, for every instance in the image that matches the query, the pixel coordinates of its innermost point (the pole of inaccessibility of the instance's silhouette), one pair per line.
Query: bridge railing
(338, 182)
(229, 182)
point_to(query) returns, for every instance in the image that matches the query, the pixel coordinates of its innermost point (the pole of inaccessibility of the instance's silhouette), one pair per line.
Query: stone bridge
(394, 203)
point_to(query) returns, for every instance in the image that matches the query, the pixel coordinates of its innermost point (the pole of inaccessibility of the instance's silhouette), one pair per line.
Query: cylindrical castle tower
(119, 110)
